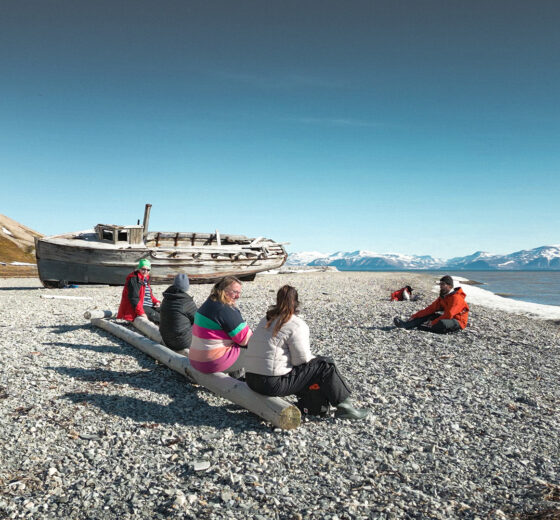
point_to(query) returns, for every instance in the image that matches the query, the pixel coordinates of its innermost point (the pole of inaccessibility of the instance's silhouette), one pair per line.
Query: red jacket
(397, 296)
(132, 299)
(453, 305)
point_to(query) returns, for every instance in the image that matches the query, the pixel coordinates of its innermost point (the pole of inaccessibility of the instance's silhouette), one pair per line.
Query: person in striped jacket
(220, 334)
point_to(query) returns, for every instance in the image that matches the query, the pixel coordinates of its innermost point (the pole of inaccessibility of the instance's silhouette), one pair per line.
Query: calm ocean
(528, 286)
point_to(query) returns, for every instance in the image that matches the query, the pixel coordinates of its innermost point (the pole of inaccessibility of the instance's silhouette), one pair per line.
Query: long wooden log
(148, 328)
(273, 409)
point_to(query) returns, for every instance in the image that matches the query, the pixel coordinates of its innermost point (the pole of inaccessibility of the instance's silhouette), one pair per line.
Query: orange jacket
(453, 305)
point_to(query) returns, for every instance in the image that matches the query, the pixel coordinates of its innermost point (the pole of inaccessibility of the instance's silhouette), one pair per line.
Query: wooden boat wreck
(107, 253)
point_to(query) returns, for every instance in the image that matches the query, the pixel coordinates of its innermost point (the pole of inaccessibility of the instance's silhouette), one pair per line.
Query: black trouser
(320, 370)
(152, 314)
(441, 327)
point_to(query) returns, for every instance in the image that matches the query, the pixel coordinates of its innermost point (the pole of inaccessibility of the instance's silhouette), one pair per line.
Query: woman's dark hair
(409, 288)
(287, 304)
(218, 293)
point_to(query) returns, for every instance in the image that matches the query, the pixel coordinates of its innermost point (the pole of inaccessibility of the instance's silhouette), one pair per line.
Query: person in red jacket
(449, 313)
(402, 294)
(137, 297)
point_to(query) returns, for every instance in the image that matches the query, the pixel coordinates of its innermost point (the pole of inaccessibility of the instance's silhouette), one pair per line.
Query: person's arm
(455, 306)
(241, 334)
(299, 346)
(191, 310)
(134, 293)
(430, 309)
(236, 328)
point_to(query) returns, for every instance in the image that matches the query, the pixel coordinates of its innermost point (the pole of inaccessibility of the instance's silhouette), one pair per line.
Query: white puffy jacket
(270, 355)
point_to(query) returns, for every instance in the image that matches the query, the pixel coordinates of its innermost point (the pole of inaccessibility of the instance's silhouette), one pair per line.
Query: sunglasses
(145, 269)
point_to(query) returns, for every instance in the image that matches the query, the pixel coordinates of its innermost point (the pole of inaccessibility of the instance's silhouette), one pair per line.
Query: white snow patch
(7, 231)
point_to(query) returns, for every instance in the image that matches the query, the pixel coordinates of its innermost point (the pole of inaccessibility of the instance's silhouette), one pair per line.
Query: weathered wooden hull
(67, 261)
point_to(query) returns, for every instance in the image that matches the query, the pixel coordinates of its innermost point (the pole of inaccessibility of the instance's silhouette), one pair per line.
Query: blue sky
(416, 127)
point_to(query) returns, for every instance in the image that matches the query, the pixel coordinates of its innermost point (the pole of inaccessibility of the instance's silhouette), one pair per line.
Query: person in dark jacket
(137, 297)
(177, 315)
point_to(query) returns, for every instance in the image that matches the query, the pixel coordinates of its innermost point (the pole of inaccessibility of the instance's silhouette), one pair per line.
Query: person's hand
(157, 305)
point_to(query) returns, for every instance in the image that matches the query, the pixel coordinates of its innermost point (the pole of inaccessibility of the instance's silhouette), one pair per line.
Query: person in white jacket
(279, 361)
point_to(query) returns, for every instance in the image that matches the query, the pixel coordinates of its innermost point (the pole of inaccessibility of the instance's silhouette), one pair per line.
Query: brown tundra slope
(17, 244)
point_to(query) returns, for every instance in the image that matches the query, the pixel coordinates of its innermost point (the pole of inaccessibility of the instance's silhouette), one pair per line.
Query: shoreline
(500, 282)
(474, 291)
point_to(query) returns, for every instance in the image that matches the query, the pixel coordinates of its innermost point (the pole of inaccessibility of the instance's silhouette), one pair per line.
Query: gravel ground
(461, 426)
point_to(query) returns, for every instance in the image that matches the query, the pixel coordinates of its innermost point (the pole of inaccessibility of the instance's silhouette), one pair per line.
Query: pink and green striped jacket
(218, 333)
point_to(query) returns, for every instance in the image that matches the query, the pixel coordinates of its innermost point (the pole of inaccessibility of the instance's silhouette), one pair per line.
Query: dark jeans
(320, 370)
(441, 327)
(152, 314)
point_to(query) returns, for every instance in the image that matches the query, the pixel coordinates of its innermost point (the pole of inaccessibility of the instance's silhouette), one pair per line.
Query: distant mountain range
(545, 257)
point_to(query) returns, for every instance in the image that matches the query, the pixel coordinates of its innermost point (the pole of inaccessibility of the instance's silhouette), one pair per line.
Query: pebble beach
(460, 426)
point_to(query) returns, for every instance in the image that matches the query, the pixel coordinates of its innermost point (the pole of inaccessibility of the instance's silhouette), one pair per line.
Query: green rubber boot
(345, 410)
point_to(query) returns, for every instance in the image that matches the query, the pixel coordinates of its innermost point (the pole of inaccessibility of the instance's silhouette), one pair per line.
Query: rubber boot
(345, 410)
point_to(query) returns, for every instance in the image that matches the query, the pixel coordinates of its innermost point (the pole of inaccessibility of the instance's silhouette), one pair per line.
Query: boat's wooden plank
(198, 236)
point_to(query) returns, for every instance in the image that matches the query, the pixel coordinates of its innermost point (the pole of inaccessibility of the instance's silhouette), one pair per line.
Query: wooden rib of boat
(108, 253)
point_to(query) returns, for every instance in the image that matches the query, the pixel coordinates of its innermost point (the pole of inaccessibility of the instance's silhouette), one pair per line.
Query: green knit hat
(144, 263)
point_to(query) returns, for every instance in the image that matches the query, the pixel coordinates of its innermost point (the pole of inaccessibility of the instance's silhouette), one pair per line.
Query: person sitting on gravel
(220, 335)
(449, 313)
(177, 315)
(279, 360)
(403, 294)
(137, 297)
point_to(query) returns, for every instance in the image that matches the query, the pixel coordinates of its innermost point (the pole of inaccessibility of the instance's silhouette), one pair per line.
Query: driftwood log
(273, 409)
(97, 313)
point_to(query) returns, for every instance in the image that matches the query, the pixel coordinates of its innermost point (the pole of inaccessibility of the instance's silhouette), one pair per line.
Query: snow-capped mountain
(545, 257)
(304, 258)
(368, 260)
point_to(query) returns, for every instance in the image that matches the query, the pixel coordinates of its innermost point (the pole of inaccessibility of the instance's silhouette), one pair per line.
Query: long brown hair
(287, 305)
(218, 293)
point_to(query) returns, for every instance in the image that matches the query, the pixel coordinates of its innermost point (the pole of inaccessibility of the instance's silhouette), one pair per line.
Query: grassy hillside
(11, 252)
(16, 245)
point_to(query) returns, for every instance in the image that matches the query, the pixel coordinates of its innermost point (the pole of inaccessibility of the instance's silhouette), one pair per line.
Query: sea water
(528, 286)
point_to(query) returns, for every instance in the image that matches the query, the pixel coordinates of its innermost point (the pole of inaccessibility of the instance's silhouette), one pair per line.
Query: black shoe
(345, 410)
(398, 322)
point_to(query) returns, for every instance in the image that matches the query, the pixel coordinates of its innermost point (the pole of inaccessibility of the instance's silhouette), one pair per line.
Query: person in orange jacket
(449, 313)
(402, 294)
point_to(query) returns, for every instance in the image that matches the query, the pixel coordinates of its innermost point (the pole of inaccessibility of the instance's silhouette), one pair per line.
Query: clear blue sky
(417, 127)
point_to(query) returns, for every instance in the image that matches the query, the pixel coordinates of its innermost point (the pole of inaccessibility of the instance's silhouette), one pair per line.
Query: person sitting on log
(220, 334)
(137, 297)
(449, 313)
(279, 361)
(177, 315)
(403, 294)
